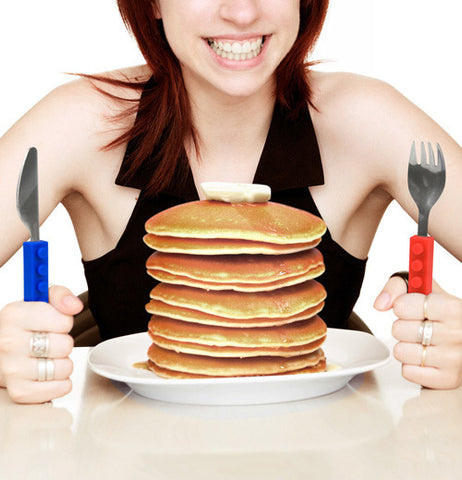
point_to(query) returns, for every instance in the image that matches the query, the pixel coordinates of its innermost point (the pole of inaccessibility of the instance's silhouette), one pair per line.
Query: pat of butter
(236, 192)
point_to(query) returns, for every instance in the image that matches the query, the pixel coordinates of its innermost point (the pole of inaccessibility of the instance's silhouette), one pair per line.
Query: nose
(240, 12)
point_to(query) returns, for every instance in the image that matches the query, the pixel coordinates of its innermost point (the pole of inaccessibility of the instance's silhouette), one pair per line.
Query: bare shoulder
(349, 93)
(71, 126)
(370, 122)
(365, 129)
(88, 111)
(358, 108)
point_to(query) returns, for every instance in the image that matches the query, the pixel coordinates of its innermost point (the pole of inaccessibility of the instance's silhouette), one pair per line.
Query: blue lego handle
(35, 271)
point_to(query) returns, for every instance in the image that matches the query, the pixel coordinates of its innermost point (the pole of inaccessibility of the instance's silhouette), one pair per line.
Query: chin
(240, 92)
(243, 87)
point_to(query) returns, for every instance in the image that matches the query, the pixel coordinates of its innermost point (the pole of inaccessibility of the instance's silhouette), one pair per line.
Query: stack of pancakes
(237, 295)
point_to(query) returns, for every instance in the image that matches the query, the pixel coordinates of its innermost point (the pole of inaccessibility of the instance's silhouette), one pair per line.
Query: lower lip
(240, 64)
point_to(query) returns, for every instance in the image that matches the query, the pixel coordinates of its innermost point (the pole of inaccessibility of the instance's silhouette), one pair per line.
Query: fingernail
(383, 301)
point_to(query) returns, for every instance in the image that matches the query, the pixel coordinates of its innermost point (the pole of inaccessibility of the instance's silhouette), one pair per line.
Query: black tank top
(118, 285)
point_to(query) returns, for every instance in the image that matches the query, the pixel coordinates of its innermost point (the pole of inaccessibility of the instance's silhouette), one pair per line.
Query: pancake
(158, 308)
(238, 287)
(240, 352)
(240, 268)
(237, 295)
(234, 269)
(293, 334)
(231, 367)
(283, 302)
(262, 222)
(173, 374)
(219, 246)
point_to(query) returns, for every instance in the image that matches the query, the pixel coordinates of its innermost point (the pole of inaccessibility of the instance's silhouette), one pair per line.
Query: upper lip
(238, 37)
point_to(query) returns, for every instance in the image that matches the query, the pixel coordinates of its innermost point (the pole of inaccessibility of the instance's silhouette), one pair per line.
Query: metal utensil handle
(421, 264)
(35, 271)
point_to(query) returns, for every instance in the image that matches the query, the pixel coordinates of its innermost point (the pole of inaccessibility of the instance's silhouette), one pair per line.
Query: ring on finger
(50, 370)
(424, 356)
(425, 308)
(427, 333)
(39, 344)
(45, 369)
(41, 369)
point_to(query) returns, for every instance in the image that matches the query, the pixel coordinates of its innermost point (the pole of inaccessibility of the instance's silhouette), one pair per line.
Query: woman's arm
(63, 128)
(389, 124)
(53, 126)
(394, 123)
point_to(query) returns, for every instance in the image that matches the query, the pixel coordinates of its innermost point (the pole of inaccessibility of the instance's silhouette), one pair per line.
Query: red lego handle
(420, 264)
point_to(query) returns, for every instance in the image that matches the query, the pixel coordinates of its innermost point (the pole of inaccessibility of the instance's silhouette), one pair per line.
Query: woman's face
(231, 47)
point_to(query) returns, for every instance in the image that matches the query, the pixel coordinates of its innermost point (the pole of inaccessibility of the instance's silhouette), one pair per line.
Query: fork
(426, 180)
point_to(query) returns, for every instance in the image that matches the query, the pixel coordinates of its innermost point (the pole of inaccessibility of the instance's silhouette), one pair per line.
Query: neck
(229, 125)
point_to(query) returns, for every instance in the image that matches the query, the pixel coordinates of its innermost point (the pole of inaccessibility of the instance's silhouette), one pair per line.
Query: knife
(35, 251)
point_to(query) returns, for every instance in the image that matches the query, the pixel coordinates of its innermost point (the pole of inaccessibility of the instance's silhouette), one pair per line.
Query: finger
(59, 345)
(440, 307)
(27, 391)
(410, 331)
(394, 288)
(439, 357)
(28, 369)
(64, 300)
(432, 377)
(35, 316)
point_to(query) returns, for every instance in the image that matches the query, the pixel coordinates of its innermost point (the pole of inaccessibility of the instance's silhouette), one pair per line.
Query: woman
(226, 91)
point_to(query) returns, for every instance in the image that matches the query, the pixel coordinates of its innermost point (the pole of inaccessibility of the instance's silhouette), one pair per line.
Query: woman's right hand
(18, 369)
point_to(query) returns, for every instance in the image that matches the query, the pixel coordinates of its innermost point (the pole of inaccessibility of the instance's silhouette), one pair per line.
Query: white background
(412, 44)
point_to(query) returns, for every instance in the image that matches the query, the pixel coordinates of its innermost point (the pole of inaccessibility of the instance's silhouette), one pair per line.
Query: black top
(118, 284)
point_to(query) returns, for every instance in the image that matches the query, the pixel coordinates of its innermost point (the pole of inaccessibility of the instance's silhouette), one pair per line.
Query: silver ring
(50, 375)
(425, 308)
(427, 332)
(38, 344)
(41, 369)
(422, 323)
(45, 369)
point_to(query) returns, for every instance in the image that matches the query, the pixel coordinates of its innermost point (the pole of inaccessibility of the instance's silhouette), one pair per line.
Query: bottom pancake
(172, 374)
(230, 367)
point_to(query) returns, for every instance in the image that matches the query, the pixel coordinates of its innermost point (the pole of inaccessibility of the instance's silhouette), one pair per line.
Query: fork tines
(431, 161)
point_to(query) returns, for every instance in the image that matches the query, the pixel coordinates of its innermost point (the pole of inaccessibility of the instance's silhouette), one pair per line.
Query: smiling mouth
(237, 50)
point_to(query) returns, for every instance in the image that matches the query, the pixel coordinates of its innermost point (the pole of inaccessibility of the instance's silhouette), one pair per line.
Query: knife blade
(35, 251)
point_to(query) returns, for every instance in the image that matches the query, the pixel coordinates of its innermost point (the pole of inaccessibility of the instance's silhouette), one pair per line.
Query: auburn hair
(164, 119)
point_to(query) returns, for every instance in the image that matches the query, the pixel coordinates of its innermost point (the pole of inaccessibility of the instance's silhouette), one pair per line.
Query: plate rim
(158, 381)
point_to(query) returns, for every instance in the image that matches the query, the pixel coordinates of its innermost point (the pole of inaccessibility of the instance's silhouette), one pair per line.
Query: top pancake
(263, 222)
(222, 246)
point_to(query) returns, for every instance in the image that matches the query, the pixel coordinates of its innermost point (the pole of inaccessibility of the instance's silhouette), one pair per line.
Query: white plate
(354, 352)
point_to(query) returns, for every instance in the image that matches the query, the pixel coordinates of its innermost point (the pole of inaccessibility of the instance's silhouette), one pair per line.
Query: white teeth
(235, 50)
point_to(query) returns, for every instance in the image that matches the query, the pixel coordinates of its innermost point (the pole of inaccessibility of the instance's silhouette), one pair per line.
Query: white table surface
(378, 427)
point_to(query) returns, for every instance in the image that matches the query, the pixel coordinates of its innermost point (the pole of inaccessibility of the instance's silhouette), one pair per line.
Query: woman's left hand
(438, 365)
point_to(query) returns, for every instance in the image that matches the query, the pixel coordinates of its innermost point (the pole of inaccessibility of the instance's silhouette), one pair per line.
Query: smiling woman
(227, 92)
(178, 61)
